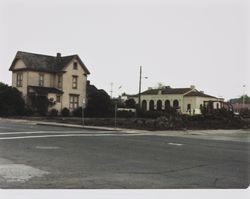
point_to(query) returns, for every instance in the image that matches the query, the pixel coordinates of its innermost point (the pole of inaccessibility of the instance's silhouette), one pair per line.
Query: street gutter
(80, 126)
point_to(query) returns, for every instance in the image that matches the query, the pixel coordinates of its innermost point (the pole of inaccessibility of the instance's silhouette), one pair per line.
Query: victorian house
(60, 79)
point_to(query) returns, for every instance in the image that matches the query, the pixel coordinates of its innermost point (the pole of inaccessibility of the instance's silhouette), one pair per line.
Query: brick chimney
(58, 55)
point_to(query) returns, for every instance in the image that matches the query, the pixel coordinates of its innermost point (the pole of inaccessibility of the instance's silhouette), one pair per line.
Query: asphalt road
(33, 156)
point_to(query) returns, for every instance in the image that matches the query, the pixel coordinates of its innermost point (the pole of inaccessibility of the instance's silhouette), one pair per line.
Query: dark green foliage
(77, 112)
(99, 105)
(245, 112)
(155, 114)
(130, 103)
(53, 112)
(125, 114)
(240, 100)
(40, 104)
(65, 112)
(11, 101)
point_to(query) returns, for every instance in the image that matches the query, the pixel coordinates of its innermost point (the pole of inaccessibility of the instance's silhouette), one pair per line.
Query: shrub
(53, 112)
(65, 112)
(11, 101)
(125, 114)
(77, 112)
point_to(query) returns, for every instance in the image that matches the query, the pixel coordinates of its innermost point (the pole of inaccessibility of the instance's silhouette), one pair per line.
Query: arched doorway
(144, 105)
(167, 104)
(176, 104)
(159, 105)
(151, 105)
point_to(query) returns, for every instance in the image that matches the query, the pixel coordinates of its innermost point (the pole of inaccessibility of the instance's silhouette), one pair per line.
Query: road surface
(33, 156)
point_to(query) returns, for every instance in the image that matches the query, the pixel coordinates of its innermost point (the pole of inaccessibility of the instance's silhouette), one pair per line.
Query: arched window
(151, 105)
(144, 105)
(167, 104)
(217, 105)
(159, 105)
(176, 104)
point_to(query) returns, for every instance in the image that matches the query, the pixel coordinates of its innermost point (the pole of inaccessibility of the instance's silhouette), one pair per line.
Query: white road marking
(176, 144)
(47, 147)
(37, 132)
(20, 132)
(64, 135)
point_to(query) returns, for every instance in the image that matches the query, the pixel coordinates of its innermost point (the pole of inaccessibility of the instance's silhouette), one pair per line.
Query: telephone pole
(111, 89)
(139, 95)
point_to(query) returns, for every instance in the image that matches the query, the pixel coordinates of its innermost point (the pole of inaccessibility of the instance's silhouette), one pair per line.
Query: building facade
(185, 100)
(61, 79)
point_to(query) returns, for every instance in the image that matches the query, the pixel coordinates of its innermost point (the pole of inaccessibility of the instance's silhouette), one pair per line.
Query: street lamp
(243, 97)
(116, 108)
(139, 94)
(83, 107)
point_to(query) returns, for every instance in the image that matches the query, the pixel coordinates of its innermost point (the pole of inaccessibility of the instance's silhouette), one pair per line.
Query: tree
(240, 100)
(40, 104)
(11, 101)
(99, 104)
(130, 103)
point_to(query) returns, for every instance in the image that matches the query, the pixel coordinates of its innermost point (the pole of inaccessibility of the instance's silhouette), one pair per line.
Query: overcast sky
(178, 43)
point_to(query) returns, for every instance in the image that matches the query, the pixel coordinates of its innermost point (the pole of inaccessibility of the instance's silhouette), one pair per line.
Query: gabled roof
(45, 63)
(167, 90)
(198, 94)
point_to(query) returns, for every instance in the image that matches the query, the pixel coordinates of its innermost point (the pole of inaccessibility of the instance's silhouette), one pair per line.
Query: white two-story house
(62, 79)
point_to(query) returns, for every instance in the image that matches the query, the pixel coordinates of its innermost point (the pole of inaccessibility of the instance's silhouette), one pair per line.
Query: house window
(41, 80)
(75, 65)
(144, 105)
(189, 108)
(58, 98)
(59, 82)
(74, 82)
(159, 105)
(176, 104)
(73, 101)
(19, 80)
(217, 106)
(151, 105)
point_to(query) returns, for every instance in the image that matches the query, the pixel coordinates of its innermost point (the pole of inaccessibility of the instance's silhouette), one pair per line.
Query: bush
(11, 101)
(77, 112)
(125, 114)
(40, 104)
(28, 111)
(65, 112)
(99, 105)
(53, 112)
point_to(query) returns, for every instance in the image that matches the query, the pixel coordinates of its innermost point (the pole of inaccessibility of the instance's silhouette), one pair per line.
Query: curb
(79, 126)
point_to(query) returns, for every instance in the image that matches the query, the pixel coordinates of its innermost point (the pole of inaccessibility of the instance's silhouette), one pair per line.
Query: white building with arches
(185, 100)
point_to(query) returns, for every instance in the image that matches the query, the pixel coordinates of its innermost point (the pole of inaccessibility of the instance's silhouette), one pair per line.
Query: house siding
(67, 87)
(31, 78)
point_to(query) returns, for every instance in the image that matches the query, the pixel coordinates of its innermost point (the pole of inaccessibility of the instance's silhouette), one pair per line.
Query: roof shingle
(45, 63)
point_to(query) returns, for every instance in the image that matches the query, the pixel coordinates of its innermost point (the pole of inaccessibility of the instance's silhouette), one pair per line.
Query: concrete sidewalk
(58, 124)
(82, 126)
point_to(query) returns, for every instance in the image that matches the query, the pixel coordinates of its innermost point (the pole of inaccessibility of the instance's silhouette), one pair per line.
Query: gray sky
(179, 43)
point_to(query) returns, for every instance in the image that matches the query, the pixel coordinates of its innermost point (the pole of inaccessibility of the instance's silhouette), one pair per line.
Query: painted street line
(175, 144)
(52, 132)
(47, 147)
(64, 135)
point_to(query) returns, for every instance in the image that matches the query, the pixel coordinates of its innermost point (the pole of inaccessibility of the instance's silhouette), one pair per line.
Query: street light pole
(116, 108)
(115, 112)
(139, 95)
(83, 106)
(243, 97)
